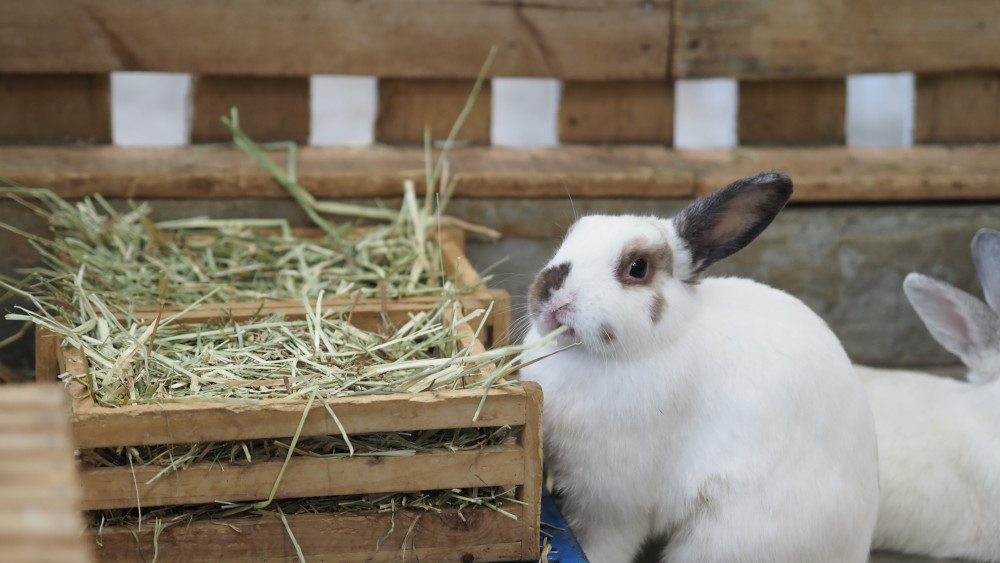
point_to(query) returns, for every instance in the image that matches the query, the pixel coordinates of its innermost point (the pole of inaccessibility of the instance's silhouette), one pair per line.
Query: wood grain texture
(483, 534)
(530, 439)
(957, 108)
(52, 109)
(792, 112)
(39, 494)
(271, 109)
(578, 171)
(832, 38)
(46, 356)
(206, 422)
(576, 39)
(617, 112)
(208, 482)
(821, 174)
(406, 107)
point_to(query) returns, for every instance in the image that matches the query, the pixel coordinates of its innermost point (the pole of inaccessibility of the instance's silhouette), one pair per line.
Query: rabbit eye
(638, 269)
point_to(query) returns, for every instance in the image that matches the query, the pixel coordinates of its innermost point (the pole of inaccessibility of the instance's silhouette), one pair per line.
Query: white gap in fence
(150, 109)
(705, 113)
(153, 109)
(525, 112)
(342, 110)
(880, 109)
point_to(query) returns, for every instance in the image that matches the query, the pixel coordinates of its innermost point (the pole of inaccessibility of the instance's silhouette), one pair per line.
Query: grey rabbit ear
(963, 324)
(723, 222)
(986, 254)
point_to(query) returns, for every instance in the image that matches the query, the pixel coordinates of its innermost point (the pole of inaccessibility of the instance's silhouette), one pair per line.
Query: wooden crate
(496, 331)
(483, 535)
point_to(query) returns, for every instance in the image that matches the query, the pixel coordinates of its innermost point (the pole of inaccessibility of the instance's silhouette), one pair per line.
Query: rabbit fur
(698, 419)
(939, 438)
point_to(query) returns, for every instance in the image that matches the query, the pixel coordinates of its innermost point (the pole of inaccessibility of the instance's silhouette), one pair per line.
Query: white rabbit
(939, 438)
(699, 419)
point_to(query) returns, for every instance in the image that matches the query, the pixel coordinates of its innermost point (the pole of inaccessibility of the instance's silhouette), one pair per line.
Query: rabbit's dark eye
(638, 269)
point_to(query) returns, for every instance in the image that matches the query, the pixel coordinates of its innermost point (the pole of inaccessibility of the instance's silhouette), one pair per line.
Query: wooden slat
(406, 107)
(617, 112)
(530, 439)
(832, 38)
(792, 112)
(207, 482)
(46, 356)
(957, 108)
(576, 39)
(97, 427)
(821, 174)
(39, 498)
(45, 109)
(482, 534)
(271, 109)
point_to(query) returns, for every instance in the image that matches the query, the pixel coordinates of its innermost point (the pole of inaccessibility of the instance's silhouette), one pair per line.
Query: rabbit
(697, 419)
(939, 438)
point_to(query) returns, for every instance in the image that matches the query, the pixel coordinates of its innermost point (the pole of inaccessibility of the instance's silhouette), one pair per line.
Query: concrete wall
(846, 262)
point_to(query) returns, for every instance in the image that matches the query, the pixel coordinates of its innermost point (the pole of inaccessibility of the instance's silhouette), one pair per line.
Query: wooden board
(209, 482)
(271, 109)
(406, 107)
(792, 112)
(39, 497)
(480, 535)
(47, 109)
(576, 39)
(617, 112)
(957, 108)
(821, 174)
(832, 38)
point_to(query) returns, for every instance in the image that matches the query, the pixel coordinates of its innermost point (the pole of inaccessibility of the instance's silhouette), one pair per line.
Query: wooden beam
(832, 38)
(530, 439)
(303, 476)
(482, 534)
(617, 112)
(575, 39)
(271, 109)
(957, 108)
(406, 107)
(51, 109)
(792, 112)
(821, 174)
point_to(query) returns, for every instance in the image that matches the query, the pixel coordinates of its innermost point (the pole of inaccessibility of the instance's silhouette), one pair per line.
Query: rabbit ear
(964, 325)
(986, 253)
(725, 221)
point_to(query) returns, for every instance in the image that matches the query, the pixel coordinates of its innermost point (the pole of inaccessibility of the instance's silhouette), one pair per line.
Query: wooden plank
(481, 535)
(832, 38)
(183, 172)
(617, 112)
(530, 438)
(957, 108)
(46, 356)
(838, 174)
(96, 427)
(271, 109)
(575, 39)
(208, 482)
(39, 498)
(792, 112)
(821, 174)
(406, 107)
(46, 109)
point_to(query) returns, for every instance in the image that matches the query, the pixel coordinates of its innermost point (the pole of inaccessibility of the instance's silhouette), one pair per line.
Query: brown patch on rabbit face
(608, 333)
(548, 280)
(639, 262)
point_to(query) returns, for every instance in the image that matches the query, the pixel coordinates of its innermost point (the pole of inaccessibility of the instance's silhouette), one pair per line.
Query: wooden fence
(617, 60)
